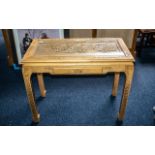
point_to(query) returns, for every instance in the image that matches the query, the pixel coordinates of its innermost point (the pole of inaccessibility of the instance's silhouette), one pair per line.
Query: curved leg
(30, 95)
(115, 84)
(41, 85)
(126, 90)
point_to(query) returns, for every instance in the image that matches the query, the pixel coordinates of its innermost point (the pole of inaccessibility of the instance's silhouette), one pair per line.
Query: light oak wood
(30, 94)
(127, 85)
(78, 57)
(115, 84)
(41, 85)
(128, 35)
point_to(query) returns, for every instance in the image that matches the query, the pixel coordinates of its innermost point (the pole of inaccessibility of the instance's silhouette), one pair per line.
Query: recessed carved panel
(77, 50)
(85, 47)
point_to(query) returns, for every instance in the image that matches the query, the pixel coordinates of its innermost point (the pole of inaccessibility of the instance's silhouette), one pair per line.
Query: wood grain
(78, 57)
(77, 50)
(115, 84)
(41, 85)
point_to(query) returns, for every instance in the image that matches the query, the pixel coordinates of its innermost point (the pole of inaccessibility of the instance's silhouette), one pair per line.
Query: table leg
(30, 95)
(115, 84)
(41, 85)
(126, 90)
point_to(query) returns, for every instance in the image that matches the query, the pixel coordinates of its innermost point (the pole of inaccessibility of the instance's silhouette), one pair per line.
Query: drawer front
(78, 71)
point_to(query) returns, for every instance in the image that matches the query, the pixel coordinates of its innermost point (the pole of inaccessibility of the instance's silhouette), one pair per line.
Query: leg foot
(112, 97)
(36, 119)
(119, 122)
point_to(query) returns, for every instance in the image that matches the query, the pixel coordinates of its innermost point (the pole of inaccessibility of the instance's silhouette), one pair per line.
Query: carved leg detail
(126, 91)
(41, 85)
(115, 84)
(30, 95)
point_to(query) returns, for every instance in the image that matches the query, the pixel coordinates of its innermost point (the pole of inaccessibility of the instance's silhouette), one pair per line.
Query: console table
(91, 56)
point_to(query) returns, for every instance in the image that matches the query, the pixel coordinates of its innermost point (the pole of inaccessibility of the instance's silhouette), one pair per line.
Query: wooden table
(77, 57)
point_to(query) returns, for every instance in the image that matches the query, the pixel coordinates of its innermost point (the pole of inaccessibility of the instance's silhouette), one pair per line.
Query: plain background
(61, 14)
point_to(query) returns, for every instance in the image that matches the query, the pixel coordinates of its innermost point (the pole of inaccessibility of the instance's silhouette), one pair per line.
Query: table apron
(79, 69)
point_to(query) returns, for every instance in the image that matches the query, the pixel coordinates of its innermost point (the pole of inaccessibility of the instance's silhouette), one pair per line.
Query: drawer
(77, 71)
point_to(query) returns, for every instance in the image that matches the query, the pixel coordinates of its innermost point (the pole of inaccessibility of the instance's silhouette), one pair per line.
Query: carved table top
(77, 50)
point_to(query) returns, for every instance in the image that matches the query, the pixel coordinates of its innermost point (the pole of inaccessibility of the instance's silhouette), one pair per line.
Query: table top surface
(77, 50)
